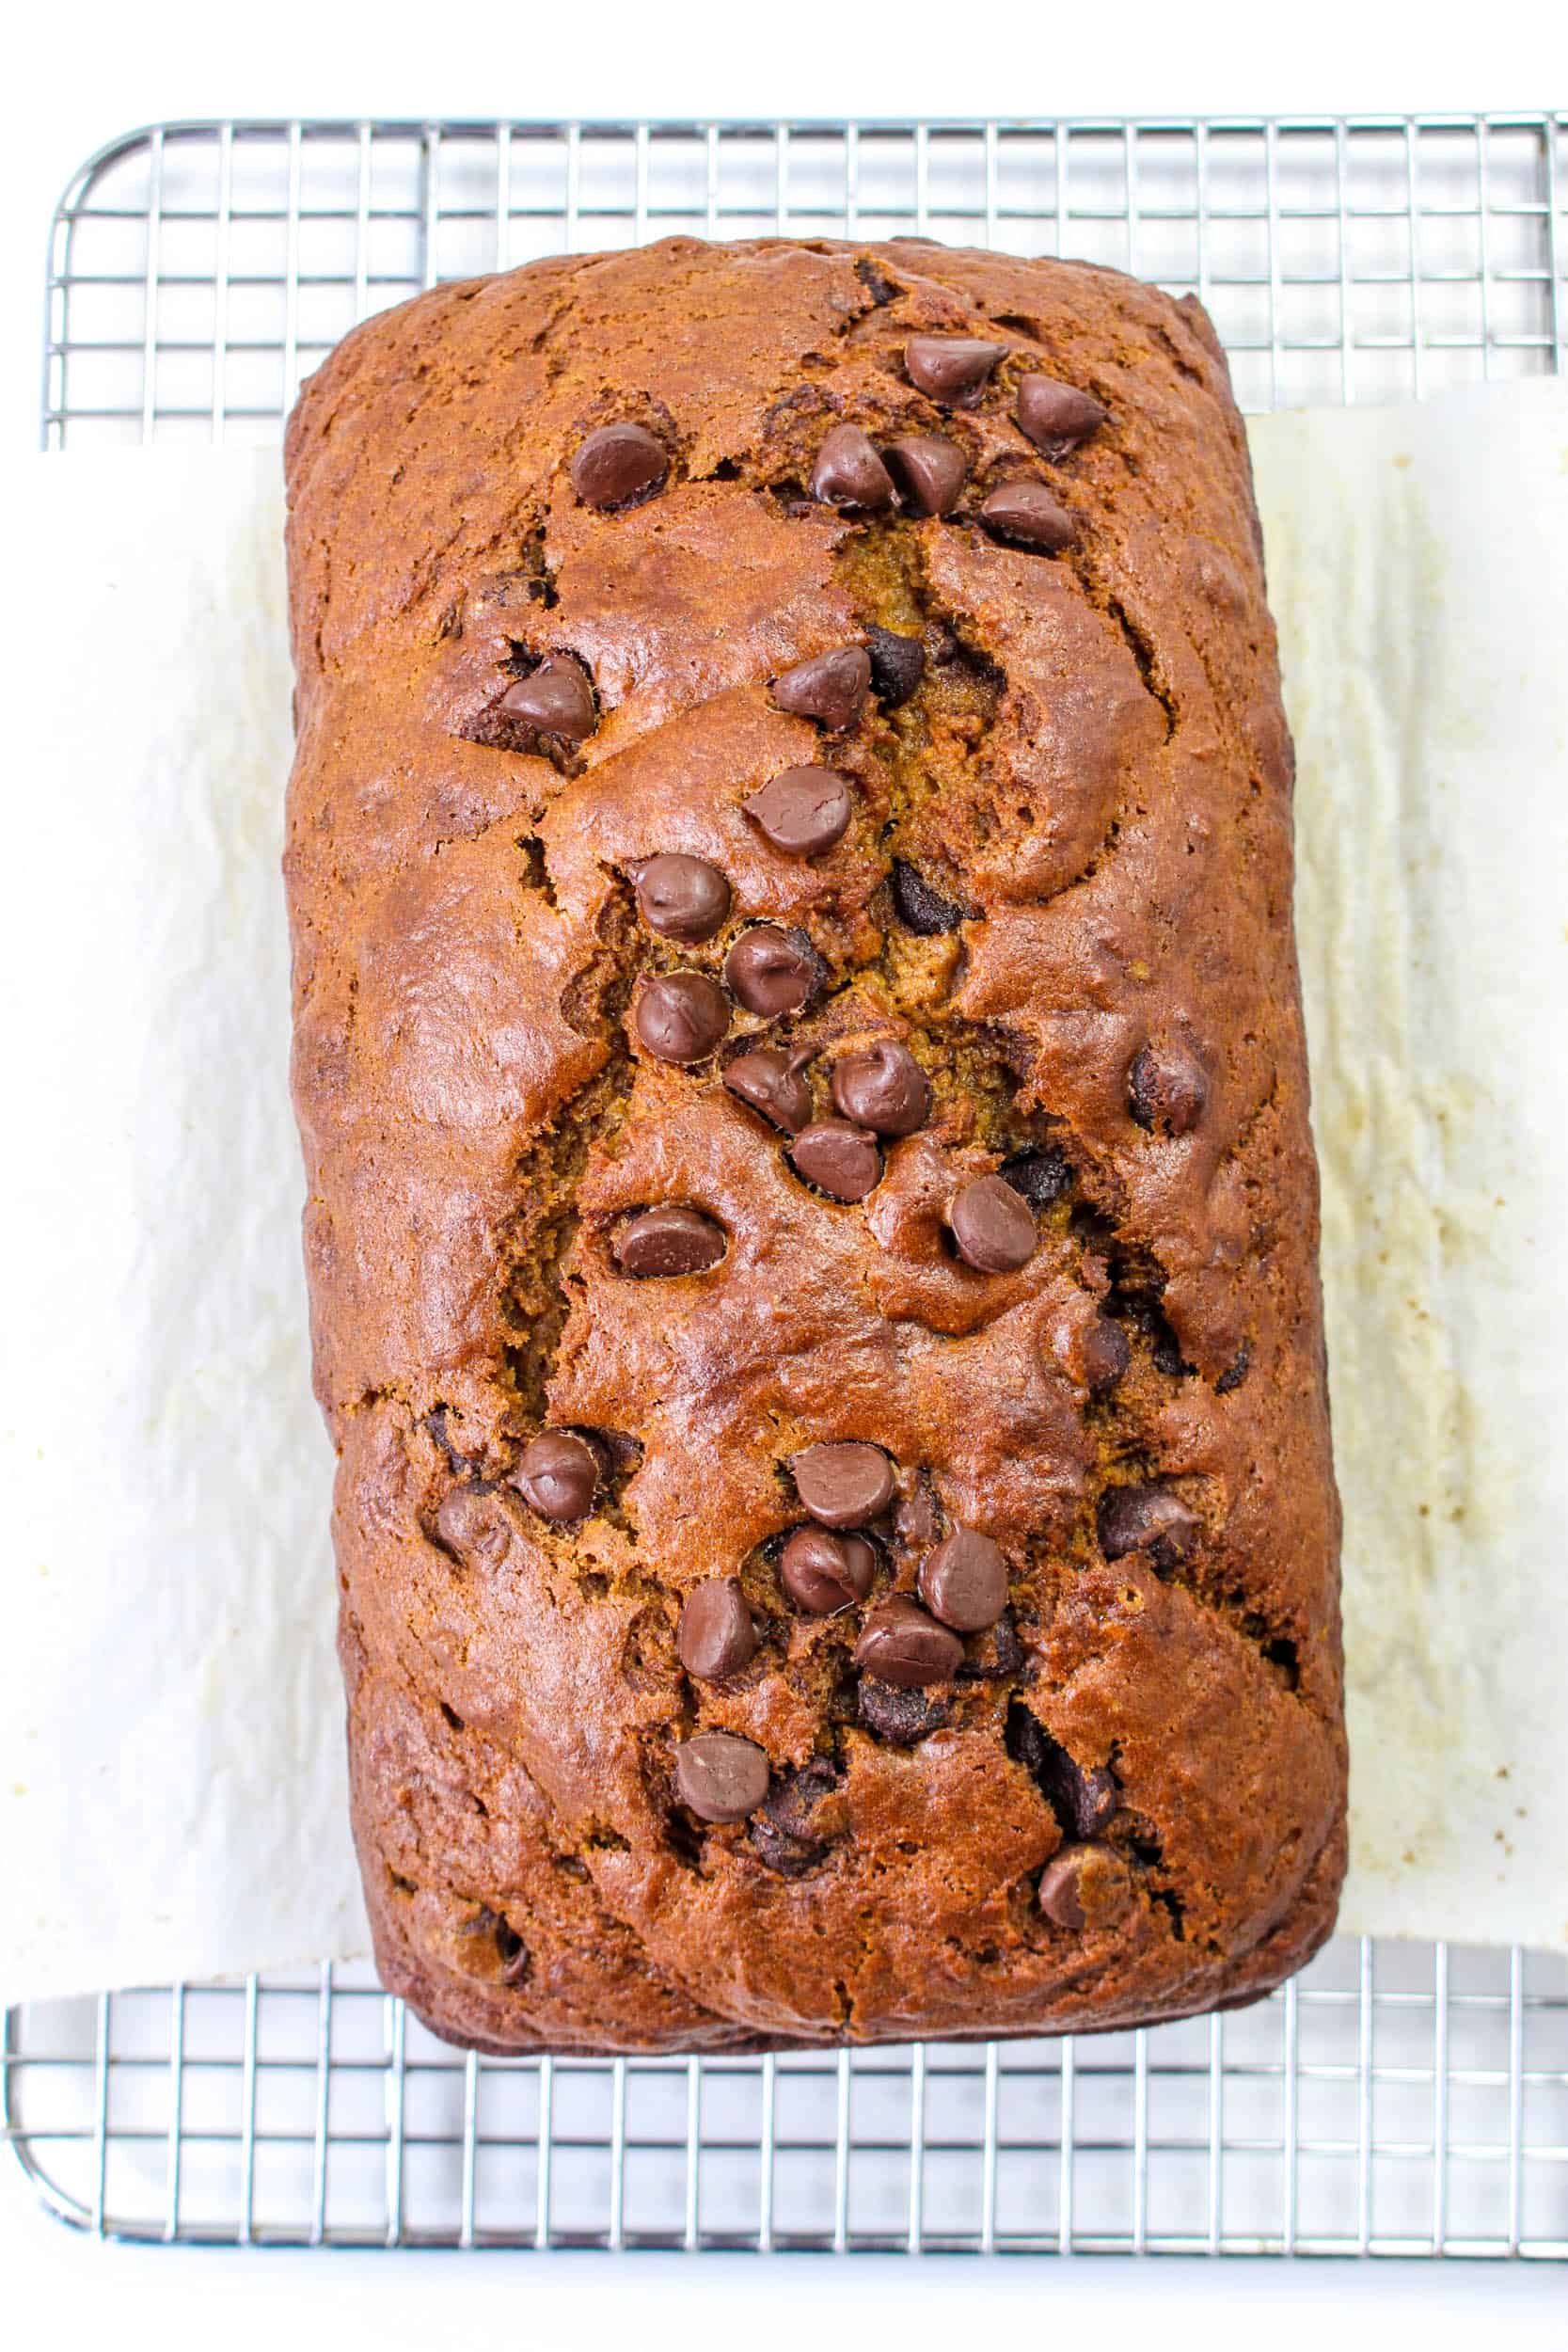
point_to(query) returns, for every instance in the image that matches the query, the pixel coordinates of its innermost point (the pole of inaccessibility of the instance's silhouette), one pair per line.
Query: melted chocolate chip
(918, 907)
(1168, 1090)
(1059, 1897)
(915, 1518)
(902, 1645)
(1025, 512)
(470, 1525)
(964, 1581)
(802, 811)
(716, 1636)
(897, 665)
(719, 1777)
(618, 465)
(897, 1713)
(772, 972)
(681, 1016)
(1083, 1798)
(830, 686)
(1235, 1371)
(1104, 1355)
(792, 1831)
(682, 898)
(823, 1573)
(1040, 1177)
(557, 1474)
(554, 699)
(1056, 416)
(950, 368)
(992, 1226)
(1085, 1884)
(842, 1161)
(882, 1086)
(668, 1241)
(849, 471)
(1147, 1519)
(930, 473)
(772, 1082)
(845, 1485)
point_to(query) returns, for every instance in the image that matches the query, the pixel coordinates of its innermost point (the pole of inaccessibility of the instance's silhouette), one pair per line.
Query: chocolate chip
(1085, 1884)
(823, 1573)
(556, 1474)
(1235, 1371)
(964, 1582)
(470, 1525)
(898, 1714)
(792, 1831)
(1168, 1088)
(1059, 1898)
(1083, 1798)
(842, 1161)
(897, 665)
(918, 907)
(772, 1082)
(830, 686)
(1040, 1177)
(902, 1645)
(719, 1777)
(992, 1226)
(1026, 512)
(682, 898)
(716, 1636)
(802, 811)
(554, 699)
(668, 1241)
(1146, 1518)
(617, 465)
(950, 368)
(772, 972)
(915, 1518)
(930, 473)
(1056, 416)
(882, 1086)
(849, 471)
(843, 1485)
(1104, 1354)
(681, 1016)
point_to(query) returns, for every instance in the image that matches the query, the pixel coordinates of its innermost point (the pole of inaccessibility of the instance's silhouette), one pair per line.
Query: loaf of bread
(811, 1215)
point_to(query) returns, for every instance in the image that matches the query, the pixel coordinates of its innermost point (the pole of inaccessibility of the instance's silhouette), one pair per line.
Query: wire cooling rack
(1397, 2099)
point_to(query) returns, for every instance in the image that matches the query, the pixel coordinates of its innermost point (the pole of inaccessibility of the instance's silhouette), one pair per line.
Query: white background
(79, 73)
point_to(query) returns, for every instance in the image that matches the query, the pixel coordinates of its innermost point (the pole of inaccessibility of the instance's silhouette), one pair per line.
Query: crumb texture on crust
(990, 1143)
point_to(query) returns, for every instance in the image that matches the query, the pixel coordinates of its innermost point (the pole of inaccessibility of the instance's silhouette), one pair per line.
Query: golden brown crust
(1093, 779)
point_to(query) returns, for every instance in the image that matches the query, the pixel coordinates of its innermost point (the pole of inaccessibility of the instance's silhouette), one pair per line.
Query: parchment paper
(173, 1797)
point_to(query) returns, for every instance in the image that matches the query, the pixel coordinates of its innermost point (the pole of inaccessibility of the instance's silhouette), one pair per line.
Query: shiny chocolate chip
(682, 898)
(1168, 1090)
(900, 1714)
(716, 1636)
(1056, 416)
(830, 686)
(617, 465)
(964, 1581)
(681, 1016)
(897, 665)
(770, 1081)
(554, 699)
(1147, 1519)
(849, 471)
(930, 471)
(953, 368)
(918, 907)
(842, 1161)
(1039, 1177)
(666, 1241)
(882, 1086)
(556, 1475)
(992, 1226)
(1103, 1355)
(823, 1573)
(719, 1777)
(902, 1645)
(772, 971)
(843, 1485)
(802, 811)
(1025, 512)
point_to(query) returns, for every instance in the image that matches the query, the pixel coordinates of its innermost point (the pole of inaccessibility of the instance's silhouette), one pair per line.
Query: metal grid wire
(1402, 2099)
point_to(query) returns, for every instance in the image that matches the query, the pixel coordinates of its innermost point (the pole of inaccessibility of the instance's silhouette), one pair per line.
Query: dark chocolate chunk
(882, 1086)
(1041, 1177)
(770, 1080)
(992, 1226)
(1147, 1519)
(950, 368)
(719, 1777)
(792, 1831)
(716, 1636)
(920, 908)
(830, 686)
(1056, 416)
(823, 1573)
(681, 1016)
(666, 1241)
(1083, 1798)
(557, 1474)
(964, 1581)
(1025, 512)
(554, 699)
(897, 665)
(617, 465)
(772, 971)
(1168, 1088)
(849, 471)
(902, 1645)
(1103, 1353)
(897, 1713)
(842, 1161)
(682, 898)
(802, 811)
(930, 473)
(843, 1486)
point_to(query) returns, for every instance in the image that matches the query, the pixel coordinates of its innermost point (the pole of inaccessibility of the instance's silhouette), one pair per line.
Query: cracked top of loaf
(811, 1216)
